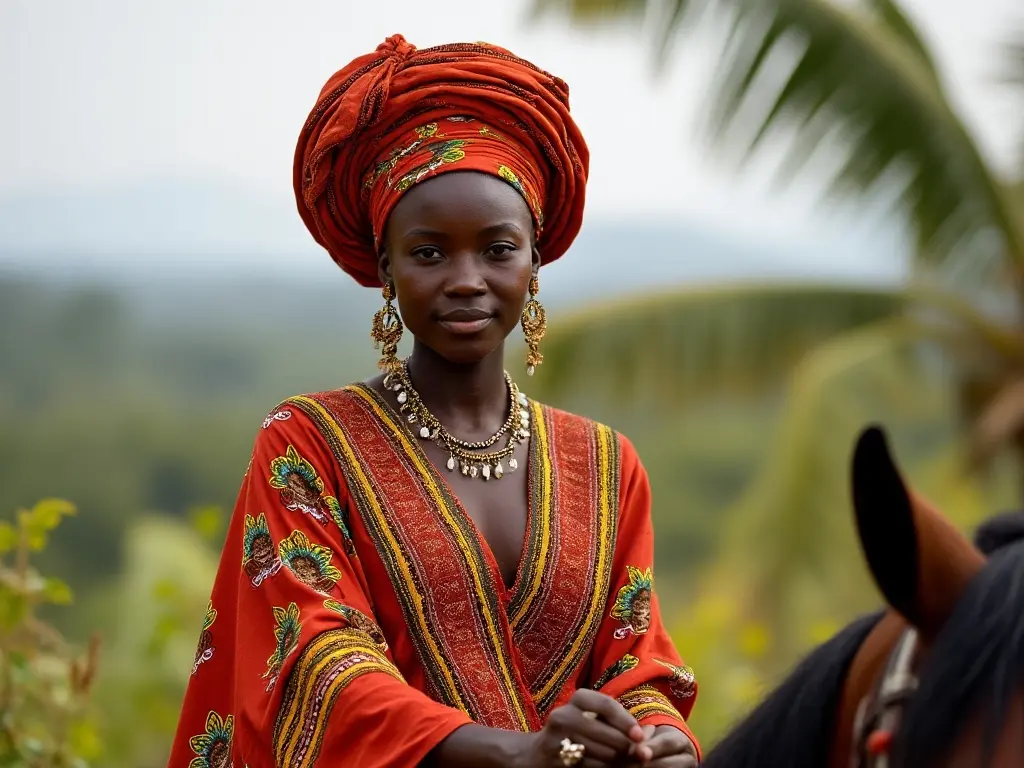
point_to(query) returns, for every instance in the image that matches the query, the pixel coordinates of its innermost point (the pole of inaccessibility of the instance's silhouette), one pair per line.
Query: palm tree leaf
(870, 78)
(687, 344)
(901, 26)
(862, 77)
(1000, 421)
(796, 509)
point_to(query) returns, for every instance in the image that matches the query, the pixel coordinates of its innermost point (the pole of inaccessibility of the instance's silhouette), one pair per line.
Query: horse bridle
(880, 714)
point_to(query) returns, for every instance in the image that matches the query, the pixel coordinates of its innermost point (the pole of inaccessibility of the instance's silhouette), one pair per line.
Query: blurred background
(803, 216)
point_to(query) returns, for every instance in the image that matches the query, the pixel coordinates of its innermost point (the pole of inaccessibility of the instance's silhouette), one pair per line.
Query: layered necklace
(476, 459)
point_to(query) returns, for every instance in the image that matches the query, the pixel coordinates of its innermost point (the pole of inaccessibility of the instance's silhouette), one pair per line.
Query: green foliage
(687, 345)
(45, 686)
(856, 79)
(152, 617)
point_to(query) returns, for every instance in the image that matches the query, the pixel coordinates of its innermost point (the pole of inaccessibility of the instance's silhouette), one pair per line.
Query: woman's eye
(427, 254)
(501, 249)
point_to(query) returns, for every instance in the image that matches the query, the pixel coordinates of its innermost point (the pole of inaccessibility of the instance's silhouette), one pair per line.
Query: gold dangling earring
(387, 331)
(535, 325)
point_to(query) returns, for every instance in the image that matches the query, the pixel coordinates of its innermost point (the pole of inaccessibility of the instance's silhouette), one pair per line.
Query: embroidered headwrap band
(399, 116)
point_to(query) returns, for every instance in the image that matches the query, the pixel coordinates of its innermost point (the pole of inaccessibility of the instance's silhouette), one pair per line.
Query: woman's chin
(466, 351)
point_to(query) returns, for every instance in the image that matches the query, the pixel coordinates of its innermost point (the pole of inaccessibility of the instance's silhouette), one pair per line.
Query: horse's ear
(920, 562)
(885, 522)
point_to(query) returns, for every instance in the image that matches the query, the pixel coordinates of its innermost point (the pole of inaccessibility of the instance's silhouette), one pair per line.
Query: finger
(575, 725)
(669, 741)
(608, 710)
(594, 753)
(643, 753)
(640, 751)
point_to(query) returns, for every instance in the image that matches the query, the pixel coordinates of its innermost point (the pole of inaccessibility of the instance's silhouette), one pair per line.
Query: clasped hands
(609, 735)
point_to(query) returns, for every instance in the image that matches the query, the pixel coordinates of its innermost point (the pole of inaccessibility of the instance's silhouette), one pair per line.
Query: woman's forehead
(460, 198)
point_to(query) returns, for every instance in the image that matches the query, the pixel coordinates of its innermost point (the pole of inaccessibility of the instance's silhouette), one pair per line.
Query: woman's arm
(293, 668)
(597, 722)
(634, 659)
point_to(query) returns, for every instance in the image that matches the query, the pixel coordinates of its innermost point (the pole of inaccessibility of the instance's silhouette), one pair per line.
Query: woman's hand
(665, 747)
(598, 722)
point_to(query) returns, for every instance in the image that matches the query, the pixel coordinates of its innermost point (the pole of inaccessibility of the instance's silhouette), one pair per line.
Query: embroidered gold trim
(362, 490)
(410, 594)
(645, 701)
(326, 667)
(606, 445)
(535, 563)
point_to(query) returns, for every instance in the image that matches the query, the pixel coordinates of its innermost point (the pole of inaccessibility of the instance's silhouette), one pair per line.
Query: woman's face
(459, 250)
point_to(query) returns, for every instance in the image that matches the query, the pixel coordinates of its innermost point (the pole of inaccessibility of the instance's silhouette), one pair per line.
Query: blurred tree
(152, 618)
(851, 92)
(856, 78)
(44, 684)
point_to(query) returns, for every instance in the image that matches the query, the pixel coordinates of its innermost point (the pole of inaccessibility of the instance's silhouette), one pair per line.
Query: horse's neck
(861, 679)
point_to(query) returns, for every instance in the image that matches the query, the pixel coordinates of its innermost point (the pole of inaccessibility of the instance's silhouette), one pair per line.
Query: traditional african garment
(359, 617)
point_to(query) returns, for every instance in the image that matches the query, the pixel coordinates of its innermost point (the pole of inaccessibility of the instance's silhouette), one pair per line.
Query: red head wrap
(400, 115)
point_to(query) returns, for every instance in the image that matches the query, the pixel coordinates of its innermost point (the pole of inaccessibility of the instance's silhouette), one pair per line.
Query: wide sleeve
(309, 672)
(634, 659)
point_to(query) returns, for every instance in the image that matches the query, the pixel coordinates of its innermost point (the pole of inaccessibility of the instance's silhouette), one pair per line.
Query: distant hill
(200, 232)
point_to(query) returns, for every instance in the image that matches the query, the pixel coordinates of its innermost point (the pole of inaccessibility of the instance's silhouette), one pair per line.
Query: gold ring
(590, 715)
(571, 753)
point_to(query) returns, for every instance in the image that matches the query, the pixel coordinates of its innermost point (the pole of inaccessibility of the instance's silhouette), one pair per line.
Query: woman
(391, 594)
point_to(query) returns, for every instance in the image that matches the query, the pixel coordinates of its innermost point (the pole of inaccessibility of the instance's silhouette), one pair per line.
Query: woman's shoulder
(312, 412)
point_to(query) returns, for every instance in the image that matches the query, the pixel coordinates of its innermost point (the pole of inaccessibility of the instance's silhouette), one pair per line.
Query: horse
(933, 680)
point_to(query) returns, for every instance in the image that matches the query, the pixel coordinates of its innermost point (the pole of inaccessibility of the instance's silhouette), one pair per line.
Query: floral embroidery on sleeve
(621, 666)
(286, 633)
(359, 621)
(309, 562)
(682, 683)
(300, 486)
(302, 489)
(205, 649)
(276, 416)
(213, 748)
(259, 557)
(633, 603)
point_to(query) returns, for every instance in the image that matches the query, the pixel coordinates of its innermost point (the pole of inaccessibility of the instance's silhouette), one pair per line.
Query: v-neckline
(535, 502)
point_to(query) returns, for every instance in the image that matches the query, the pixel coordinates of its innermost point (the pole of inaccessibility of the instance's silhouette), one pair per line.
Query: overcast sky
(102, 92)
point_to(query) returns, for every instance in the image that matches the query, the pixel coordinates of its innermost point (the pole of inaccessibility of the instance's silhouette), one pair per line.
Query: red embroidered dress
(358, 617)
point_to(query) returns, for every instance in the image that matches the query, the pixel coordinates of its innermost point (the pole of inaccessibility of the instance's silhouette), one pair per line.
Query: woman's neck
(471, 401)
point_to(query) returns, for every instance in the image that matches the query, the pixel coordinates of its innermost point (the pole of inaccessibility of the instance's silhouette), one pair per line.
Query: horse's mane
(794, 725)
(976, 664)
(999, 531)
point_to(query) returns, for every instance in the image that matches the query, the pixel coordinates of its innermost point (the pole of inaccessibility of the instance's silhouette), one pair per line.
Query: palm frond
(686, 344)
(796, 508)
(868, 79)
(902, 27)
(860, 76)
(1000, 421)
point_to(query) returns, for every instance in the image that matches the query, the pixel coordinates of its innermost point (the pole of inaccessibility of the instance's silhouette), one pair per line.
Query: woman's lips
(466, 327)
